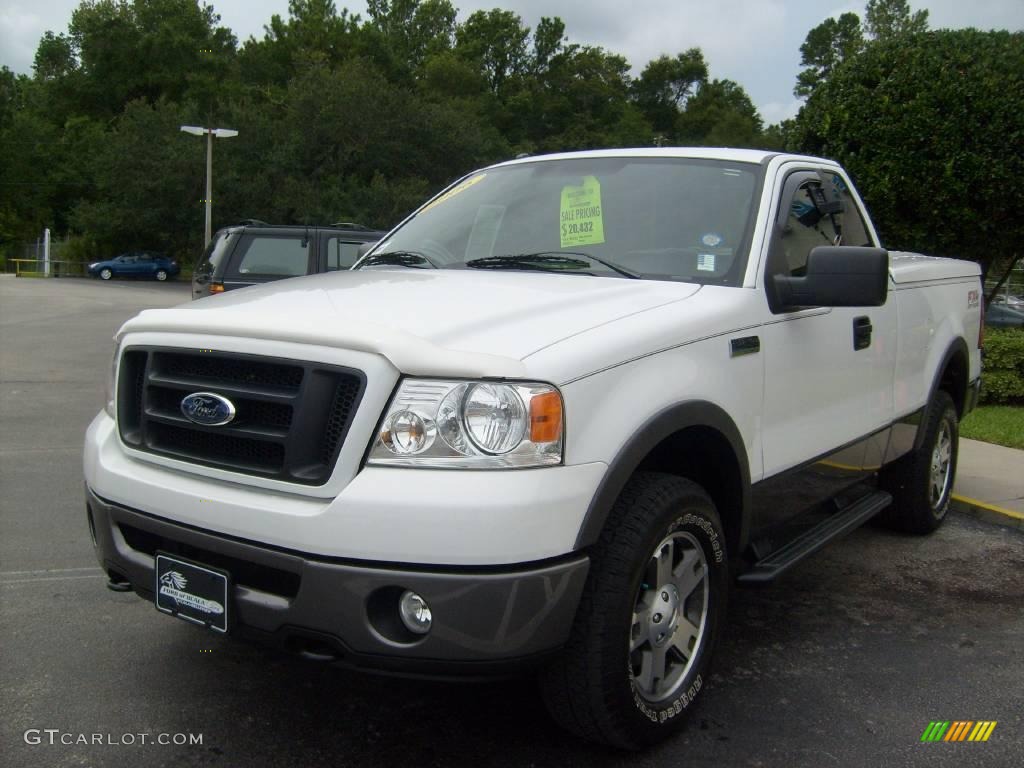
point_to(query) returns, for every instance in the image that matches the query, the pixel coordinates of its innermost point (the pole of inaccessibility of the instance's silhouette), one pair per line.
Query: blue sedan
(135, 264)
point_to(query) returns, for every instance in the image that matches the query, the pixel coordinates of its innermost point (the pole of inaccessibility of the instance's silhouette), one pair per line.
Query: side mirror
(837, 276)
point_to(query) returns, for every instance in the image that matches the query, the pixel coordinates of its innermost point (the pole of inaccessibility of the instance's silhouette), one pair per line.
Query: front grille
(290, 419)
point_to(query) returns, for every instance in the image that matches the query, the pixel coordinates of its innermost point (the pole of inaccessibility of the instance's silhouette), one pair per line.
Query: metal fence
(1014, 285)
(29, 260)
(37, 268)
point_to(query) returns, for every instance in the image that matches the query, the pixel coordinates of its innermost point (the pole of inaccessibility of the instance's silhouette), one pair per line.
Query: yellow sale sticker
(580, 214)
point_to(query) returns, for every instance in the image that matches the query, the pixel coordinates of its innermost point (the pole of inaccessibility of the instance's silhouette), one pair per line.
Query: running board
(810, 541)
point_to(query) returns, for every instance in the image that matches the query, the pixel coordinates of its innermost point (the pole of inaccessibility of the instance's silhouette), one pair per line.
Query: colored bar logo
(959, 730)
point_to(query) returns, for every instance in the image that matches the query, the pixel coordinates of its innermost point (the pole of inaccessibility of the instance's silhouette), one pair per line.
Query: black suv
(254, 252)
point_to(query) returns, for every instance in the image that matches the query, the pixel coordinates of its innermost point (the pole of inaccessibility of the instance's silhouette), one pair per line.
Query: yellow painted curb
(988, 507)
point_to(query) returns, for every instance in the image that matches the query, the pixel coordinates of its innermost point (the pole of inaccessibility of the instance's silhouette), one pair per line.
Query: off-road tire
(917, 507)
(591, 688)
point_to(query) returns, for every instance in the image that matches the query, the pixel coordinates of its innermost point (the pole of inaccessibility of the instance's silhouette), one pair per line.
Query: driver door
(828, 370)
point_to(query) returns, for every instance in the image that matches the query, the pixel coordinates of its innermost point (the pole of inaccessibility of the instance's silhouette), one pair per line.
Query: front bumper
(486, 619)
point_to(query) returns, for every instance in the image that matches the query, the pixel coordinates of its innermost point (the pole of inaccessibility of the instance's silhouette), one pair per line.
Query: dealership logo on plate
(173, 584)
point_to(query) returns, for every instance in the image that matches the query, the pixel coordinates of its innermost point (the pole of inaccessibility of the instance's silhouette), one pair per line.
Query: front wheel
(651, 614)
(922, 481)
(106, 274)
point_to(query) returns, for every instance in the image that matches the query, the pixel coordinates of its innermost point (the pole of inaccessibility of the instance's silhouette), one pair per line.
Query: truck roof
(709, 153)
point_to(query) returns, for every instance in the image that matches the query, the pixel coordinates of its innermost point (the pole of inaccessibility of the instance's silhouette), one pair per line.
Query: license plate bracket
(191, 591)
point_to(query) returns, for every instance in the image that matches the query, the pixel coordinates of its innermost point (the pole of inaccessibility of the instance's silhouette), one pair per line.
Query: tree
(548, 42)
(928, 124)
(827, 46)
(55, 57)
(884, 19)
(584, 103)
(666, 83)
(146, 158)
(411, 31)
(720, 114)
(313, 28)
(496, 40)
(146, 49)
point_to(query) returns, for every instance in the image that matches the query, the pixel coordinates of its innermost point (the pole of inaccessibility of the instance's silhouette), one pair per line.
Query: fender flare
(956, 346)
(675, 418)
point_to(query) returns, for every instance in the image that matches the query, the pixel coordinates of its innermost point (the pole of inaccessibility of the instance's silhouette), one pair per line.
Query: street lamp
(220, 133)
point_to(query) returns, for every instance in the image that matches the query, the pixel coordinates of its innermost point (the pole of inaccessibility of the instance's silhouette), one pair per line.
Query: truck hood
(443, 322)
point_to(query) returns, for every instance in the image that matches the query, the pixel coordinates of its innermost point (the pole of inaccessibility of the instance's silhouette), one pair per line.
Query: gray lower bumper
(485, 620)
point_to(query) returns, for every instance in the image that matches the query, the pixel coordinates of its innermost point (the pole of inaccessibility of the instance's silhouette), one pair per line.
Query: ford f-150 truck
(547, 423)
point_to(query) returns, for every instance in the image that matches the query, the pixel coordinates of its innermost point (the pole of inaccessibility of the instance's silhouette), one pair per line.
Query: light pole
(220, 133)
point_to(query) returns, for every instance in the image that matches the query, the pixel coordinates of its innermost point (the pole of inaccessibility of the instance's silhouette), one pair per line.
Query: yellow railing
(37, 268)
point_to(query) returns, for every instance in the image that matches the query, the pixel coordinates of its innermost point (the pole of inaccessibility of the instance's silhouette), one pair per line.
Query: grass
(999, 424)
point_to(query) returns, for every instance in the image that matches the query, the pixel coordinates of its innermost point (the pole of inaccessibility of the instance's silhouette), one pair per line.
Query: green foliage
(925, 123)
(1003, 377)
(496, 41)
(147, 192)
(82, 249)
(891, 18)
(827, 46)
(666, 84)
(720, 115)
(147, 49)
(339, 117)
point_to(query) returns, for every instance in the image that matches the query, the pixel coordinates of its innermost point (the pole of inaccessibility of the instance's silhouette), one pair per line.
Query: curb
(988, 513)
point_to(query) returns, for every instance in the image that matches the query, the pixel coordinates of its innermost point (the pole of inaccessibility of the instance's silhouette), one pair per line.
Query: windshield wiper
(549, 261)
(410, 259)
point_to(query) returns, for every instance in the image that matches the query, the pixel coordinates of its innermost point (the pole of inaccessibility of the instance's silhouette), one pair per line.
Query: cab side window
(854, 230)
(815, 218)
(821, 212)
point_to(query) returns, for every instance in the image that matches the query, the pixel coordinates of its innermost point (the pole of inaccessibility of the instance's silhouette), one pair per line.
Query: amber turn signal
(545, 417)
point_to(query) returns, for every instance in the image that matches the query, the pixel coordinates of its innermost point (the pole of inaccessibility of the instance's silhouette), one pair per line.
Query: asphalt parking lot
(844, 661)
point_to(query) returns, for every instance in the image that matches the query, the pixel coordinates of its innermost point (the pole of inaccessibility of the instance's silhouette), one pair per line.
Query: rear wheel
(651, 614)
(161, 275)
(922, 481)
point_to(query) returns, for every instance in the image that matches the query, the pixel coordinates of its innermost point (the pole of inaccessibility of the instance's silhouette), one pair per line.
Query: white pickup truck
(547, 423)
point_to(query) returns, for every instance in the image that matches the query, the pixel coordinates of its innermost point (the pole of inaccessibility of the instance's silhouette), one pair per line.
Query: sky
(754, 42)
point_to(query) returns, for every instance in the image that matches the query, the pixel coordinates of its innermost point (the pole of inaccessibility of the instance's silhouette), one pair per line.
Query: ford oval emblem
(208, 409)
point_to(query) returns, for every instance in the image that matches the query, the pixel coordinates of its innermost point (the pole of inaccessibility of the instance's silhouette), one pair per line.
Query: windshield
(650, 217)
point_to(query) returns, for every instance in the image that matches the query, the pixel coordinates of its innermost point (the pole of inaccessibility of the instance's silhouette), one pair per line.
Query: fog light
(415, 612)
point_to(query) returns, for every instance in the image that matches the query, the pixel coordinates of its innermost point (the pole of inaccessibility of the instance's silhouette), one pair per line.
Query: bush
(923, 122)
(82, 249)
(1003, 367)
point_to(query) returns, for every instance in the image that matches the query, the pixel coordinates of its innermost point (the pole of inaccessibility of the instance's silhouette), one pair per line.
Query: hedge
(1002, 379)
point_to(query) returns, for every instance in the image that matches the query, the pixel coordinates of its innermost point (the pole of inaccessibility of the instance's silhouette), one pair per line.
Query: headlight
(94, 265)
(471, 424)
(108, 402)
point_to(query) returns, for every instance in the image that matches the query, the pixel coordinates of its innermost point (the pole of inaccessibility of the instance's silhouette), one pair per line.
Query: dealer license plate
(193, 592)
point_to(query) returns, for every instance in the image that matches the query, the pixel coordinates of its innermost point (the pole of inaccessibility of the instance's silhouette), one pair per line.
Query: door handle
(861, 333)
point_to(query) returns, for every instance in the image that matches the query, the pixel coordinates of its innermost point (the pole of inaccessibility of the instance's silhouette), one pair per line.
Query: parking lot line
(48, 571)
(8, 582)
